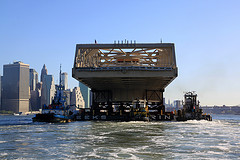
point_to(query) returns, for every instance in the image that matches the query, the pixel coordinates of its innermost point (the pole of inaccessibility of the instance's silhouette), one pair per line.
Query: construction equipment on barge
(139, 110)
(127, 82)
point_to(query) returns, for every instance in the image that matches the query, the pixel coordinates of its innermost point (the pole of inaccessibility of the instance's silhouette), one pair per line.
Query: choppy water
(22, 139)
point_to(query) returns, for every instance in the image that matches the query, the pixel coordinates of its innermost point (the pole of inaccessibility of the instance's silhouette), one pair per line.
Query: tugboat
(191, 109)
(58, 111)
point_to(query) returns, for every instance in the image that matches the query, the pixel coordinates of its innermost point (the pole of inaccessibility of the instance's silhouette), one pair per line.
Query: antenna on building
(60, 81)
(161, 40)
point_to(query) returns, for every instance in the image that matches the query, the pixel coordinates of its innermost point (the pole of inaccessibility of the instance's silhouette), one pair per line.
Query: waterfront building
(15, 85)
(43, 72)
(77, 98)
(48, 90)
(64, 80)
(33, 79)
(86, 94)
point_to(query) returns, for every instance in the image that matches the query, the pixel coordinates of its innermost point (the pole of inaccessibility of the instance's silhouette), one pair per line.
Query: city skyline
(21, 92)
(205, 34)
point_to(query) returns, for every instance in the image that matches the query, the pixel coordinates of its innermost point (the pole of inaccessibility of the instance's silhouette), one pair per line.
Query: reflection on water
(22, 139)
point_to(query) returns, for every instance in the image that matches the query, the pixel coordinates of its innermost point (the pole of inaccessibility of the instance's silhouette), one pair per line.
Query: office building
(43, 72)
(64, 78)
(86, 94)
(33, 79)
(35, 93)
(77, 98)
(15, 85)
(35, 100)
(48, 90)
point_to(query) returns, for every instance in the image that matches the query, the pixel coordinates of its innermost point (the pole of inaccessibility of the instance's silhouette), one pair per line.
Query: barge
(140, 110)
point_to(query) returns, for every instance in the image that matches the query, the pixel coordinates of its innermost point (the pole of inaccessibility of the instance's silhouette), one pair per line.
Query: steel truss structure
(125, 55)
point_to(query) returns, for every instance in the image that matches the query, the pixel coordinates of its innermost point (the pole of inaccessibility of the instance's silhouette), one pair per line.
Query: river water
(20, 138)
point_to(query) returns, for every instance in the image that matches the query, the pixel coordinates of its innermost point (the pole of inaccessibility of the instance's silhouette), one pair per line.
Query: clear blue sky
(206, 34)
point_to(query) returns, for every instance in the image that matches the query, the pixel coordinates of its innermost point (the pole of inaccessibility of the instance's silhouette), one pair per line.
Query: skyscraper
(48, 90)
(64, 83)
(86, 94)
(34, 93)
(43, 72)
(15, 84)
(33, 79)
(35, 100)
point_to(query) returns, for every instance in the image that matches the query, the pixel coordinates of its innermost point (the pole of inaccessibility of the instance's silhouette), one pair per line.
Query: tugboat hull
(51, 118)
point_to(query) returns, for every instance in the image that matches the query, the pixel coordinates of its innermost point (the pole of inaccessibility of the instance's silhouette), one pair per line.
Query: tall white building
(33, 79)
(48, 90)
(64, 82)
(77, 98)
